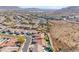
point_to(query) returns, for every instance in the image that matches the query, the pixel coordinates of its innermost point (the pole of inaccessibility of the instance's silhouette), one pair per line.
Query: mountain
(9, 8)
(70, 9)
(26, 9)
(39, 10)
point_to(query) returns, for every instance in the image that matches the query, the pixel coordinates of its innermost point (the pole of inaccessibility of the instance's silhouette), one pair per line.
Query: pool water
(2, 39)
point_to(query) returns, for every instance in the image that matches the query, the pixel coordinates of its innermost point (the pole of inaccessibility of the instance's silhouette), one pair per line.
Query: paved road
(35, 48)
(26, 44)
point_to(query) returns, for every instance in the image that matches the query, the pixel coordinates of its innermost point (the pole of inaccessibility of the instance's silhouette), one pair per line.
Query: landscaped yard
(48, 47)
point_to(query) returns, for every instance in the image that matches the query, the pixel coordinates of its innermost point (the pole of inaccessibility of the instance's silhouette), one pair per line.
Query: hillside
(65, 36)
(68, 10)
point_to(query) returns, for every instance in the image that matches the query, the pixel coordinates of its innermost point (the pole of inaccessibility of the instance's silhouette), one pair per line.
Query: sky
(44, 7)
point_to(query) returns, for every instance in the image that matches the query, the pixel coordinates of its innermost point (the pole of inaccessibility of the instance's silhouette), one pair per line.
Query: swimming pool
(2, 39)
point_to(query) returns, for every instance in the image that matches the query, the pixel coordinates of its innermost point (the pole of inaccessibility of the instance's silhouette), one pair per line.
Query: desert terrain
(65, 35)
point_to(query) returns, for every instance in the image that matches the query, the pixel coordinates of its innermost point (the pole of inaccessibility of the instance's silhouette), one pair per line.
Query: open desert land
(65, 35)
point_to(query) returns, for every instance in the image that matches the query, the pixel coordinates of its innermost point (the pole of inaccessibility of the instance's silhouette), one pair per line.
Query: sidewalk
(50, 39)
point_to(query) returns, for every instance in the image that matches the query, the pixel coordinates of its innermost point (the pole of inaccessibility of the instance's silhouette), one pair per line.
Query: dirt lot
(65, 36)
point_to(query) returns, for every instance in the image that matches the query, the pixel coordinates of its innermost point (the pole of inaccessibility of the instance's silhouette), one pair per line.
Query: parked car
(30, 49)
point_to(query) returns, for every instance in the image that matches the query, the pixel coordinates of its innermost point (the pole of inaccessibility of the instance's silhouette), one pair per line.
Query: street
(26, 45)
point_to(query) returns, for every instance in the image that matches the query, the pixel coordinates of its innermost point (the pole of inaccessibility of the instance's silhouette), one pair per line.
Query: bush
(48, 49)
(46, 38)
(21, 38)
(1, 47)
